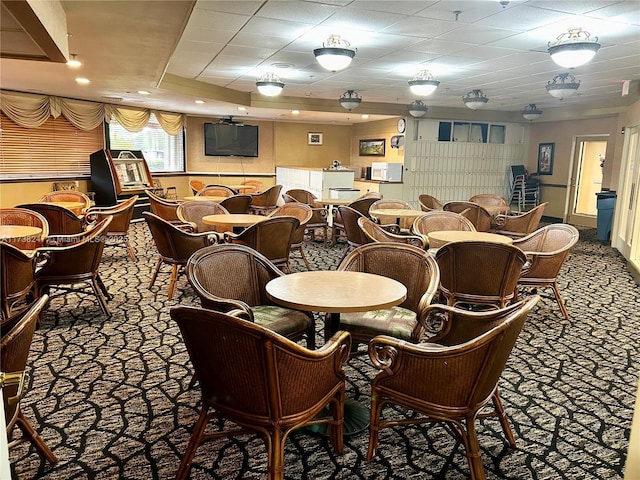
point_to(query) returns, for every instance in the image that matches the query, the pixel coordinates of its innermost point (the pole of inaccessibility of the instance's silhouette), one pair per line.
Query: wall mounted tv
(230, 139)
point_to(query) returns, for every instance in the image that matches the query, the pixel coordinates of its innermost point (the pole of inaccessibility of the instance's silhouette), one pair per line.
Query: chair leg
(275, 454)
(304, 257)
(37, 441)
(336, 432)
(95, 286)
(374, 426)
(556, 292)
(130, 250)
(473, 451)
(103, 288)
(504, 421)
(172, 280)
(194, 443)
(155, 273)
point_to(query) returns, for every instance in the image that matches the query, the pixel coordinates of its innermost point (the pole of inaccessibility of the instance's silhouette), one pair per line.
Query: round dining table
(397, 213)
(233, 219)
(439, 238)
(76, 207)
(204, 198)
(11, 232)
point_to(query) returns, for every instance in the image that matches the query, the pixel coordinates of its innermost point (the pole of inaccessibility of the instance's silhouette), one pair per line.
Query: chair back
(480, 217)
(383, 204)
(489, 200)
(29, 218)
(409, 265)
(237, 203)
(482, 273)
(61, 220)
(302, 212)
(547, 248)
(67, 196)
(18, 282)
(196, 186)
(122, 214)
(271, 237)
(428, 203)
(355, 235)
(302, 196)
(192, 213)
(266, 201)
(378, 234)
(517, 226)
(174, 245)
(164, 209)
(254, 183)
(437, 221)
(216, 191)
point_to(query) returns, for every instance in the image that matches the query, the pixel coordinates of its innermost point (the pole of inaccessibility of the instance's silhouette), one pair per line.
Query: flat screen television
(230, 139)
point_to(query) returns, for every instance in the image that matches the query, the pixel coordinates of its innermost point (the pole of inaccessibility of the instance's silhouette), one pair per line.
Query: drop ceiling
(214, 51)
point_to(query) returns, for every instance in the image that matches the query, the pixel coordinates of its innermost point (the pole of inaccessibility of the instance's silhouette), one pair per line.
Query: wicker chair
(196, 186)
(480, 217)
(436, 221)
(14, 352)
(271, 237)
(174, 245)
(61, 220)
(119, 227)
(490, 200)
(165, 209)
(479, 273)
(409, 265)
(378, 234)
(68, 196)
(256, 184)
(428, 203)
(355, 235)
(237, 203)
(191, 213)
(264, 203)
(318, 219)
(75, 261)
(517, 226)
(382, 204)
(462, 380)
(29, 218)
(546, 250)
(303, 213)
(18, 286)
(228, 277)
(216, 191)
(360, 204)
(260, 381)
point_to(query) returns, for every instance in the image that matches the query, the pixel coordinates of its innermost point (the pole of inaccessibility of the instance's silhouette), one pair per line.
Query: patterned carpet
(110, 395)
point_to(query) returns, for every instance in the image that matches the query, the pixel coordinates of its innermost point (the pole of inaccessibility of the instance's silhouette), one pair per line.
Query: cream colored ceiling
(215, 50)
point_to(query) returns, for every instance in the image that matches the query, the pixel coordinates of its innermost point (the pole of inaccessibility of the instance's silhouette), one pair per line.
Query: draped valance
(31, 111)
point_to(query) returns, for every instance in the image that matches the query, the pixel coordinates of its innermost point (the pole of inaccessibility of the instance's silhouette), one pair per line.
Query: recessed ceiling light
(365, 115)
(199, 101)
(83, 80)
(242, 109)
(74, 63)
(144, 92)
(295, 112)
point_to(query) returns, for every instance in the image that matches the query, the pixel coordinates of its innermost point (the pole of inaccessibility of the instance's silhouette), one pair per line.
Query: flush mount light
(74, 62)
(350, 99)
(573, 48)
(199, 102)
(144, 92)
(423, 84)
(82, 80)
(531, 112)
(295, 112)
(562, 86)
(475, 99)
(335, 54)
(417, 109)
(270, 84)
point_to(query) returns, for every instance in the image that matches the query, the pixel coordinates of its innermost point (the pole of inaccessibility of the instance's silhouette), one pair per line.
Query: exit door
(586, 179)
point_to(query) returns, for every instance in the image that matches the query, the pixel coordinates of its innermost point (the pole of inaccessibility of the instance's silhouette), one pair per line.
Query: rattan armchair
(196, 186)
(383, 204)
(228, 277)
(237, 203)
(28, 218)
(256, 184)
(118, 232)
(319, 218)
(14, 351)
(264, 203)
(361, 205)
(68, 196)
(175, 246)
(479, 273)
(490, 200)
(409, 265)
(262, 382)
(437, 220)
(73, 260)
(355, 235)
(428, 203)
(477, 214)
(460, 381)
(191, 213)
(378, 234)
(303, 213)
(165, 209)
(216, 191)
(516, 226)
(18, 285)
(61, 220)
(271, 237)
(546, 250)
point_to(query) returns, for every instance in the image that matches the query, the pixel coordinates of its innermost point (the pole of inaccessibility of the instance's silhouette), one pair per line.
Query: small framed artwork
(545, 158)
(371, 148)
(314, 138)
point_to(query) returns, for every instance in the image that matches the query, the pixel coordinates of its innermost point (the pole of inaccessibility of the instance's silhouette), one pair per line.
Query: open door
(586, 179)
(626, 229)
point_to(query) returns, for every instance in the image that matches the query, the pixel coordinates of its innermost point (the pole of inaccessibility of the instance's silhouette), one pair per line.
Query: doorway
(589, 154)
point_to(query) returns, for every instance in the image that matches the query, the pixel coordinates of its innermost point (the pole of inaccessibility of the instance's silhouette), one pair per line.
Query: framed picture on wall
(545, 158)
(373, 148)
(314, 138)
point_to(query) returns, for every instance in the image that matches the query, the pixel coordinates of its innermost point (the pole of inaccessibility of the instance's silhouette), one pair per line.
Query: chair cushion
(279, 319)
(397, 322)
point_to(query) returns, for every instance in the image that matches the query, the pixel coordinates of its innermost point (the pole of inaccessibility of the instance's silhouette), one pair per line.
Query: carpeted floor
(110, 395)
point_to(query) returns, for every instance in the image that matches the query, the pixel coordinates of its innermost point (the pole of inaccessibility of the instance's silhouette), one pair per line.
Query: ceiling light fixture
(417, 109)
(573, 48)
(144, 92)
(475, 99)
(269, 84)
(82, 80)
(199, 102)
(531, 112)
(350, 99)
(335, 54)
(562, 86)
(423, 84)
(74, 63)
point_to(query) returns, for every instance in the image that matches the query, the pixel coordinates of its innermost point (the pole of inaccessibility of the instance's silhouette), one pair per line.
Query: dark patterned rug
(111, 398)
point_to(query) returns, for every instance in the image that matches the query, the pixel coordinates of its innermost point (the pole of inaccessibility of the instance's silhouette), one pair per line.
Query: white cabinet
(316, 180)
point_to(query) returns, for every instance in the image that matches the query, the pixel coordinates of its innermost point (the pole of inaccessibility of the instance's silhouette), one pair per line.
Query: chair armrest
(385, 352)
(390, 227)
(238, 307)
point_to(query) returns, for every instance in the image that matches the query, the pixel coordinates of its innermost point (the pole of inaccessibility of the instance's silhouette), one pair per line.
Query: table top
(233, 219)
(442, 237)
(396, 212)
(18, 231)
(334, 201)
(204, 198)
(69, 205)
(496, 209)
(241, 187)
(333, 291)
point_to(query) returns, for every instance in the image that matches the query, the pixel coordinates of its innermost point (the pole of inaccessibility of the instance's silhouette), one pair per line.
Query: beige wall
(375, 130)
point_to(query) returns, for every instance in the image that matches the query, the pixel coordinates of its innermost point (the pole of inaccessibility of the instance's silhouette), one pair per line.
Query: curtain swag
(30, 111)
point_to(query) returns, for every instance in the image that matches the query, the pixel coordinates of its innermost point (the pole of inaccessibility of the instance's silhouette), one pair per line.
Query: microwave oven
(386, 172)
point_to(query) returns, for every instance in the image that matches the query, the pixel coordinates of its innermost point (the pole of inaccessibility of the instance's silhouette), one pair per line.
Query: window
(163, 152)
(470, 132)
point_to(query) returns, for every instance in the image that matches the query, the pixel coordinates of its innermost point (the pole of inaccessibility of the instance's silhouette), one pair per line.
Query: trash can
(605, 205)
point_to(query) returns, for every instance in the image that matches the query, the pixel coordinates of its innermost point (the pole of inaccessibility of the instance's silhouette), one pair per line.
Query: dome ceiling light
(573, 48)
(423, 84)
(417, 109)
(562, 86)
(335, 54)
(531, 112)
(270, 84)
(350, 99)
(475, 99)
